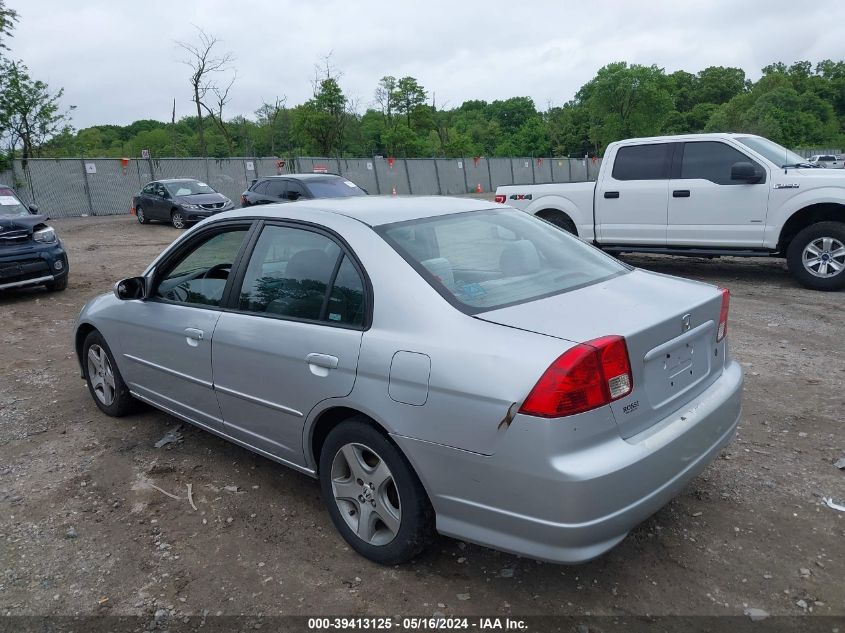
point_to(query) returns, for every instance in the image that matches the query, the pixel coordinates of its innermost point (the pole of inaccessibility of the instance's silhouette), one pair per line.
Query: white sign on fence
(90, 168)
(250, 166)
(370, 166)
(460, 164)
(145, 154)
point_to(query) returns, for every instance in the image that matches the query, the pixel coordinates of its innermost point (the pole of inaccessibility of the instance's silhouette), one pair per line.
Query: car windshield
(484, 260)
(10, 205)
(188, 188)
(334, 188)
(771, 151)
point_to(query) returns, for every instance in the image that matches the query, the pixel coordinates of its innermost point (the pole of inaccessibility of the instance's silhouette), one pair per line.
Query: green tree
(321, 120)
(8, 17)
(626, 101)
(30, 113)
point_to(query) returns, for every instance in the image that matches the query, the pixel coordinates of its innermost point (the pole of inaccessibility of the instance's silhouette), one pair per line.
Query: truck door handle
(611, 194)
(680, 193)
(322, 360)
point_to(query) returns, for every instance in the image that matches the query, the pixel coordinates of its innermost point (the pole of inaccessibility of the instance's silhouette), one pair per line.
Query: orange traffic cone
(478, 188)
(394, 190)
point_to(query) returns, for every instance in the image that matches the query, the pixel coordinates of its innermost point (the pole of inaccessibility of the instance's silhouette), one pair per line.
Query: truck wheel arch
(811, 214)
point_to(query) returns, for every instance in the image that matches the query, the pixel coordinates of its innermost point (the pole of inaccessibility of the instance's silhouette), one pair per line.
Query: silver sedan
(441, 365)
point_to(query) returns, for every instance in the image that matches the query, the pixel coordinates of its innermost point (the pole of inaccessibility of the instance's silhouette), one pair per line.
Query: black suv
(31, 254)
(293, 187)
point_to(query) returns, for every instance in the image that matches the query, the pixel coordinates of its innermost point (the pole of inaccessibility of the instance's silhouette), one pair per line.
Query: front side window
(711, 160)
(199, 277)
(289, 274)
(643, 162)
(483, 260)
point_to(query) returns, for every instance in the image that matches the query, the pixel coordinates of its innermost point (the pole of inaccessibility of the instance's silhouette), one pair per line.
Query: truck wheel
(816, 256)
(559, 220)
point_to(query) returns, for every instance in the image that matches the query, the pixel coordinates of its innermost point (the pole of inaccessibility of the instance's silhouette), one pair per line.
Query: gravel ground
(82, 532)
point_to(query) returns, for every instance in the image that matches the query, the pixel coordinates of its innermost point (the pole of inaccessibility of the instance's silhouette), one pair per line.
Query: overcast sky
(117, 60)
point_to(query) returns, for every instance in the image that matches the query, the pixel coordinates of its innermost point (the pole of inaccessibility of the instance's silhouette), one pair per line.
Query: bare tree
(221, 99)
(206, 65)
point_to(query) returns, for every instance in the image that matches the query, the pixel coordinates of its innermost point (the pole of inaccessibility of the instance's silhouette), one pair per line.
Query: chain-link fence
(67, 187)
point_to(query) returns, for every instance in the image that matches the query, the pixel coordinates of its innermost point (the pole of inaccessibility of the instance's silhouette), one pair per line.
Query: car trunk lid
(669, 326)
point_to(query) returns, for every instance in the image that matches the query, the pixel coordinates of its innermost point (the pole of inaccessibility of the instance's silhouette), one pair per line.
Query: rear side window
(643, 162)
(711, 160)
(277, 188)
(260, 187)
(302, 274)
(334, 188)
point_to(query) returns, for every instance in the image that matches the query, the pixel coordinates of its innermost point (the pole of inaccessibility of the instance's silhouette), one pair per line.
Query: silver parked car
(438, 363)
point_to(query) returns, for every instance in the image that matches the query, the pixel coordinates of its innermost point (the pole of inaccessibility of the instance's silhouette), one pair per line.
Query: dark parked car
(179, 201)
(299, 187)
(31, 254)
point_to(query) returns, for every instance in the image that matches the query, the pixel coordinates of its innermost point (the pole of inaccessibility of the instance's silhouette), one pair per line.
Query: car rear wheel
(816, 256)
(373, 496)
(177, 219)
(105, 383)
(139, 213)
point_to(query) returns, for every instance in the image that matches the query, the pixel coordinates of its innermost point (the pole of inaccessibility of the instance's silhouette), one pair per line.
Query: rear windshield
(334, 188)
(483, 260)
(10, 205)
(188, 188)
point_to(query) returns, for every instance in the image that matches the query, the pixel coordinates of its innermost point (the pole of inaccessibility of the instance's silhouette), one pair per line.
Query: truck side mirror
(745, 171)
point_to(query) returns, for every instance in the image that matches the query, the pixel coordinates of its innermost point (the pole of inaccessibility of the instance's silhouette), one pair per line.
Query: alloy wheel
(178, 220)
(366, 494)
(139, 213)
(101, 375)
(824, 257)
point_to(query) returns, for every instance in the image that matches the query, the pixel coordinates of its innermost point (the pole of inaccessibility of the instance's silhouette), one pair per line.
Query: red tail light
(243, 201)
(723, 315)
(500, 198)
(588, 376)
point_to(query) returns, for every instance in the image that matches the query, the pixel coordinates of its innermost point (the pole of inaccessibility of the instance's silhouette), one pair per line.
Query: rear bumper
(568, 490)
(32, 265)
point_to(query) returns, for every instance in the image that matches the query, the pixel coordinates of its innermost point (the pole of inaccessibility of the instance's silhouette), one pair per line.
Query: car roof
(371, 210)
(176, 180)
(308, 176)
(676, 138)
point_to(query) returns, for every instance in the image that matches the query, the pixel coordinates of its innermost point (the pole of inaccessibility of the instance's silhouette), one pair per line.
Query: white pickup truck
(704, 195)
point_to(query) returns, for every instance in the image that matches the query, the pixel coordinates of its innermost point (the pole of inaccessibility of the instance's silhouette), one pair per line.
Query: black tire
(177, 219)
(416, 523)
(559, 220)
(123, 401)
(795, 256)
(59, 284)
(142, 218)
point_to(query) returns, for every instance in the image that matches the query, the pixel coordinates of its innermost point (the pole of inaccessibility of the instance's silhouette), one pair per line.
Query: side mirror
(33, 209)
(131, 288)
(745, 171)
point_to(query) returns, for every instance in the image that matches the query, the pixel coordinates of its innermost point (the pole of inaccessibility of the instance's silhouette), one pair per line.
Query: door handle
(193, 336)
(680, 193)
(322, 360)
(611, 194)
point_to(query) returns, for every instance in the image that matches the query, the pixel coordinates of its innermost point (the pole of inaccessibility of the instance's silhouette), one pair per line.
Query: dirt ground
(82, 533)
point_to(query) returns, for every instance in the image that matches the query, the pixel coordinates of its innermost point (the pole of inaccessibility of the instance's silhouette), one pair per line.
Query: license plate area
(675, 367)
